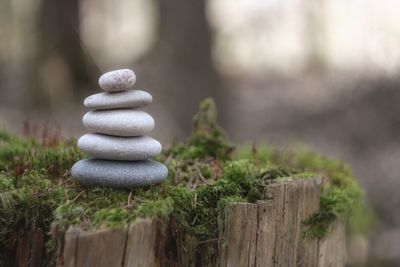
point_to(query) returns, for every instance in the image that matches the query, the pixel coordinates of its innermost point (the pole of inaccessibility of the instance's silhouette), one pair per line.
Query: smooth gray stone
(117, 80)
(118, 174)
(119, 148)
(126, 99)
(119, 122)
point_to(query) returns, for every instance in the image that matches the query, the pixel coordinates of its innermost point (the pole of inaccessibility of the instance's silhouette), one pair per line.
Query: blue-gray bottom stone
(118, 174)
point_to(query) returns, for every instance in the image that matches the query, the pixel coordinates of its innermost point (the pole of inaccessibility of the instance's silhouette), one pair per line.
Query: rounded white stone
(119, 122)
(117, 80)
(127, 99)
(119, 148)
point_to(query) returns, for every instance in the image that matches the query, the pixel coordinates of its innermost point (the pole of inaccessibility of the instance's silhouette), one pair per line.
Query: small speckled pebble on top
(117, 80)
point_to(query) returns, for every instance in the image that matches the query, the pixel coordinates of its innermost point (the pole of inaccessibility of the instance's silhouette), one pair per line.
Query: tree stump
(266, 233)
(271, 232)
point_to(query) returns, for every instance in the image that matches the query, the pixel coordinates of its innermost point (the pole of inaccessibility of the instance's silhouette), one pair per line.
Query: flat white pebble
(125, 99)
(118, 122)
(119, 148)
(117, 80)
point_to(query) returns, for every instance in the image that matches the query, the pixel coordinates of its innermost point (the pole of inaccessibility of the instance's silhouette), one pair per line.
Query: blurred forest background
(321, 72)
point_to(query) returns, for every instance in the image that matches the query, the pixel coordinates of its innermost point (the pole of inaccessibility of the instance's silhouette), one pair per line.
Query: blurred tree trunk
(315, 35)
(179, 68)
(63, 67)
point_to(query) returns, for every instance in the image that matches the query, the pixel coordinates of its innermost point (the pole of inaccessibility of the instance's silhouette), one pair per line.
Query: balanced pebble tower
(119, 150)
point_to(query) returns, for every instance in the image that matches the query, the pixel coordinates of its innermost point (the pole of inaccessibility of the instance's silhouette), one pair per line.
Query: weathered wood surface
(237, 244)
(140, 244)
(270, 233)
(29, 250)
(145, 244)
(332, 250)
(266, 233)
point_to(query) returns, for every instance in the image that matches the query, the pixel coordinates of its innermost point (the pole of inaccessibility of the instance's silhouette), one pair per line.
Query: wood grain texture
(276, 195)
(30, 249)
(70, 247)
(145, 244)
(237, 244)
(37, 247)
(100, 248)
(266, 233)
(285, 252)
(279, 231)
(332, 249)
(23, 249)
(308, 205)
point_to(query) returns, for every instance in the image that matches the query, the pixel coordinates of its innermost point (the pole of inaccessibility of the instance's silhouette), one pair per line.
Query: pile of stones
(119, 150)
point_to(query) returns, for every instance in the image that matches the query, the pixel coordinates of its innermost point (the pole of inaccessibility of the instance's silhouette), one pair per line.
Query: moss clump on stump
(205, 173)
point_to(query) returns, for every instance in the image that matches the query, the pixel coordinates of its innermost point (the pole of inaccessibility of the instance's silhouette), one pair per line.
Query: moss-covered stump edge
(205, 173)
(267, 233)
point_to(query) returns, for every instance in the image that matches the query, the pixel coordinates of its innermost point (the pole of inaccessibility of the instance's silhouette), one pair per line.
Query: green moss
(18, 155)
(341, 197)
(205, 173)
(208, 139)
(197, 210)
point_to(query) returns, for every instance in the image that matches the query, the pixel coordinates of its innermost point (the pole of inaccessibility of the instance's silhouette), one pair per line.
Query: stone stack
(117, 143)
